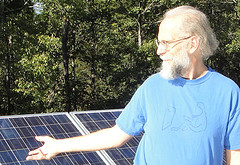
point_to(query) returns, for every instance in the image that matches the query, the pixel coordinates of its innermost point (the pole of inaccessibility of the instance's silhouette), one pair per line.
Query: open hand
(47, 151)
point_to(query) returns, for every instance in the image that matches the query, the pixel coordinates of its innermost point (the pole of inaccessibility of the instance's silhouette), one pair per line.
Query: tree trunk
(139, 27)
(139, 32)
(66, 66)
(93, 61)
(8, 76)
(73, 57)
(2, 39)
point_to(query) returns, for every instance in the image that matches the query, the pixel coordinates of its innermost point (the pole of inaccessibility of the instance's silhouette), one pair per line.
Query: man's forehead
(168, 28)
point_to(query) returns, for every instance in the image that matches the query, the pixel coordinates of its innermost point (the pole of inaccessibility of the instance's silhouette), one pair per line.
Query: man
(189, 112)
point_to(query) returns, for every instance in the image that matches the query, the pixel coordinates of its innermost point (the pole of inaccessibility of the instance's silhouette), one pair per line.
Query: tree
(82, 55)
(13, 25)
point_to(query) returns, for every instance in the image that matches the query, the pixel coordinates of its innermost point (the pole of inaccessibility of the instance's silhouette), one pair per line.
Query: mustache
(164, 58)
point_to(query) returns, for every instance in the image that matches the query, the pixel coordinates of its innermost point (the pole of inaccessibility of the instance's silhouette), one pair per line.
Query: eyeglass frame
(166, 45)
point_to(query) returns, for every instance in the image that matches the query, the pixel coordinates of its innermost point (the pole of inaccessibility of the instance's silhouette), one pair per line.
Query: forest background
(61, 55)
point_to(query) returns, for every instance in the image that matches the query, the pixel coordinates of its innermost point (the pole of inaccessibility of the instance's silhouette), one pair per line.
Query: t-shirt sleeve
(232, 138)
(132, 119)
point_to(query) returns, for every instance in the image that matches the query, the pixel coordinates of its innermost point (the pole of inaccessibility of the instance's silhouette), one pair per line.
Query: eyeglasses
(166, 45)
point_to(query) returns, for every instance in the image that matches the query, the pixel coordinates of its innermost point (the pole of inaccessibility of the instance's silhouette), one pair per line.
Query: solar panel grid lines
(85, 131)
(17, 139)
(107, 160)
(96, 120)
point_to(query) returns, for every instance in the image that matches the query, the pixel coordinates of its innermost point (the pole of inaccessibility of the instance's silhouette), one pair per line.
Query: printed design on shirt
(196, 122)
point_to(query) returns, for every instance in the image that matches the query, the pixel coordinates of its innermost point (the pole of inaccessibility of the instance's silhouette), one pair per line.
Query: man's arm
(100, 140)
(233, 157)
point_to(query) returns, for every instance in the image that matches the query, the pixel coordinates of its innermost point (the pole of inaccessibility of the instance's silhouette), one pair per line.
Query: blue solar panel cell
(19, 154)
(5, 123)
(47, 120)
(62, 119)
(3, 146)
(25, 132)
(34, 121)
(31, 143)
(18, 122)
(127, 153)
(96, 116)
(103, 125)
(9, 133)
(85, 117)
(78, 158)
(67, 127)
(118, 157)
(117, 113)
(15, 144)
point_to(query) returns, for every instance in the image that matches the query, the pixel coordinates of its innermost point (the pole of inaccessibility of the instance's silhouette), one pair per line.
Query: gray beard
(177, 67)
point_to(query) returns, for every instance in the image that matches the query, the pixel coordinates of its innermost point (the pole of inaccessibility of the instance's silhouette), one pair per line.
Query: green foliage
(110, 51)
(39, 67)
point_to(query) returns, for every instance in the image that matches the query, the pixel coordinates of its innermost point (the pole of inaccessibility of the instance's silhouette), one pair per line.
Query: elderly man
(189, 112)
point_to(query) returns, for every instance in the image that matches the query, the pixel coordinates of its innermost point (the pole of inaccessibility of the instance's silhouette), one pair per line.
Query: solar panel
(17, 139)
(96, 120)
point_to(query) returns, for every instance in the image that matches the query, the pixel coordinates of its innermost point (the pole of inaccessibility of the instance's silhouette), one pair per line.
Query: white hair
(195, 22)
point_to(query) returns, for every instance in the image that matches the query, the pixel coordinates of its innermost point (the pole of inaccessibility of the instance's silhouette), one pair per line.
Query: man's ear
(194, 44)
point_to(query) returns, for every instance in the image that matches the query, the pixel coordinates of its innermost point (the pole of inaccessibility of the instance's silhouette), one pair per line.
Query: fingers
(34, 152)
(42, 152)
(36, 155)
(43, 138)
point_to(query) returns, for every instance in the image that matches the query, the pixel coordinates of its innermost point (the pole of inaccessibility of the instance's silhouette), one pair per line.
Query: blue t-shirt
(186, 122)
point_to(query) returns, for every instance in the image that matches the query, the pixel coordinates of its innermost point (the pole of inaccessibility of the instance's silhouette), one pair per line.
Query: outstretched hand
(47, 151)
